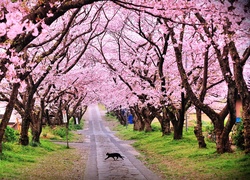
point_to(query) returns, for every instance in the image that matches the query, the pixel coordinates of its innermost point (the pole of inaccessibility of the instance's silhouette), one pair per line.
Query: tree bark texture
(139, 124)
(24, 138)
(36, 126)
(8, 112)
(242, 88)
(215, 117)
(148, 127)
(164, 121)
(148, 117)
(27, 117)
(121, 116)
(177, 117)
(198, 130)
(198, 127)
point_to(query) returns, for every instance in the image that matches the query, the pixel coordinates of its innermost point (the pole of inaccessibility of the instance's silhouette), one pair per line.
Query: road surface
(101, 141)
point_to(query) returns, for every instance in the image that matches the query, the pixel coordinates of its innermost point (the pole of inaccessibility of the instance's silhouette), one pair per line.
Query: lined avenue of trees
(155, 58)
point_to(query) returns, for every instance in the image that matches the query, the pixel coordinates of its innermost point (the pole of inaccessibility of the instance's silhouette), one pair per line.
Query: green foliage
(238, 136)
(10, 135)
(34, 144)
(209, 129)
(110, 114)
(73, 126)
(60, 131)
(155, 127)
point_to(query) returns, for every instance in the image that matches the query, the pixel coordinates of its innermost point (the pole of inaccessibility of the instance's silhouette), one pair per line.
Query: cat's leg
(107, 157)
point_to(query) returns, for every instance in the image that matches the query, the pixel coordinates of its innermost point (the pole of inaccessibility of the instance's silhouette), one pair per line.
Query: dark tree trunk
(165, 126)
(7, 113)
(222, 143)
(36, 136)
(58, 116)
(47, 117)
(198, 130)
(233, 82)
(121, 116)
(26, 119)
(231, 102)
(148, 127)
(178, 118)
(178, 132)
(198, 127)
(148, 117)
(167, 129)
(222, 132)
(164, 121)
(36, 127)
(178, 127)
(242, 88)
(28, 104)
(24, 138)
(81, 111)
(139, 124)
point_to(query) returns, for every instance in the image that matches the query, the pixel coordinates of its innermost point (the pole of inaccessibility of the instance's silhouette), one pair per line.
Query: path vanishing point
(101, 140)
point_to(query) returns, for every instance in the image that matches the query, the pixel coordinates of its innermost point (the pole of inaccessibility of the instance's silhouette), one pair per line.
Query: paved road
(101, 141)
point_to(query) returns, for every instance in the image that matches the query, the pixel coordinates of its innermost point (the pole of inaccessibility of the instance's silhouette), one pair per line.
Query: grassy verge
(46, 161)
(58, 133)
(16, 158)
(182, 159)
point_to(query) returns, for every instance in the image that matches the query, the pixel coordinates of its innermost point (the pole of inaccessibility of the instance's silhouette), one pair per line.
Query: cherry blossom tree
(11, 62)
(21, 23)
(66, 49)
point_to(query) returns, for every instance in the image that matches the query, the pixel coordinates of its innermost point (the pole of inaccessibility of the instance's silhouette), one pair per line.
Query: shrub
(10, 135)
(238, 136)
(34, 144)
(60, 131)
(110, 114)
(210, 133)
(155, 127)
(73, 126)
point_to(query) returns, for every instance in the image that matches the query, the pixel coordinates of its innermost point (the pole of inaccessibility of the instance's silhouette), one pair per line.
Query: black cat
(113, 155)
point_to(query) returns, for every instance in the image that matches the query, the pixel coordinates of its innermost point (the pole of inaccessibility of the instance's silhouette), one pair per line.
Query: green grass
(58, 133)
(182, 159)
(16, 157)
